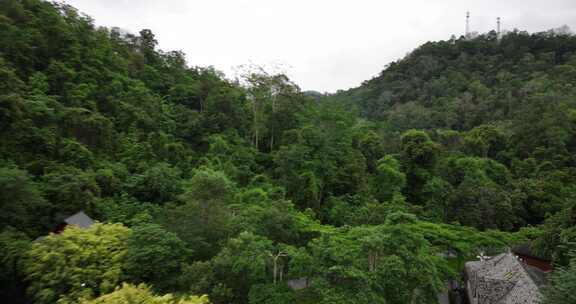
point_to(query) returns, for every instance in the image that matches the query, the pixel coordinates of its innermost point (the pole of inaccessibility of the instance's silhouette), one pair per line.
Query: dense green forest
(223, 191)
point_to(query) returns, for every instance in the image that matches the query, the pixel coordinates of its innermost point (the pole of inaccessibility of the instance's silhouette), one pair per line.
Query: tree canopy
(236, 189)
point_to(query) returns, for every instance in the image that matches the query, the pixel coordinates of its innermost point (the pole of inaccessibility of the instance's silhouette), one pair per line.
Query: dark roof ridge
(537, 276)
(500, 257)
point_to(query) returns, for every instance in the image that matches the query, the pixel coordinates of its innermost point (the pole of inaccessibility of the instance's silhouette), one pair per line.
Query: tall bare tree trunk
(275, 258)
(271, 128)
(256, 127)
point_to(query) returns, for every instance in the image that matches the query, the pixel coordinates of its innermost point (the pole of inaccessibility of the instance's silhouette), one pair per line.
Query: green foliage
(70, 189)
(389, 179)
(209, 185)
(232, 156)
(558, 236)
(271, 294)
(158, 184)
(154, 255)
(388, 263)
(485, 141)
(371, 146)
(418, 150)
(242, 263)
(275, 220)
(77, 263)
(319, 159)
(22, 205)
(234, 187)
(419, 156)
(141, 294)
(562, 284)
(203, 219)
(127, 210)
(479, 197)
(14, 246)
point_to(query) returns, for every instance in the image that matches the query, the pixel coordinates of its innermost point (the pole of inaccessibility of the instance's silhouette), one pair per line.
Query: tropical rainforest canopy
(210, 189)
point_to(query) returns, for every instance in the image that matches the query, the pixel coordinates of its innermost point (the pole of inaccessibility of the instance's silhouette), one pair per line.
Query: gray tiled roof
(80, 219)
(502, 279)
(300, 283)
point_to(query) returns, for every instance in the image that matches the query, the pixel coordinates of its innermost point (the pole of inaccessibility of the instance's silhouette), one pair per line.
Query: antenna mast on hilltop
(498, 27)
(467, 24)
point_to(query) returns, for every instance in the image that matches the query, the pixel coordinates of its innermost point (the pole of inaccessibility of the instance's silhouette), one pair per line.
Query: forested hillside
(208, 189)
(500, 114)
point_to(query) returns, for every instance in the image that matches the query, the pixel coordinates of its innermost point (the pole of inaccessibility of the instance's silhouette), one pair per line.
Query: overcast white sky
(326, 45)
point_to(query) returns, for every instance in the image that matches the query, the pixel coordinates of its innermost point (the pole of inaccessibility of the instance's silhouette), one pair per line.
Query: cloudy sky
(324, 45)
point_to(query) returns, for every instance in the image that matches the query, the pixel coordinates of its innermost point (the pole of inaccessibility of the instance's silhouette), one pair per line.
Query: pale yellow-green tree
(78, 263)
(141, 294)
